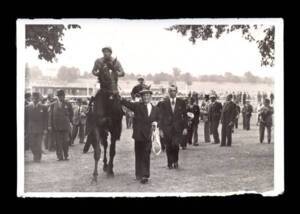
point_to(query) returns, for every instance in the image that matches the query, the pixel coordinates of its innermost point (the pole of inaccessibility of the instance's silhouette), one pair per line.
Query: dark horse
(98, 129)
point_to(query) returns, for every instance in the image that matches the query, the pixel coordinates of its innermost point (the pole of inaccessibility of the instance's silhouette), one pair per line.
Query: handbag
(155, 139)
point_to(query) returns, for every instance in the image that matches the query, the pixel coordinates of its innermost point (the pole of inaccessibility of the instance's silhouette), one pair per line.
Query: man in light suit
(79, 120)
(60, 119)
(204, 111)
(173, 123)
(265, 120)
(36, 119)
(247, 112)
(27, 102)
(144, 115)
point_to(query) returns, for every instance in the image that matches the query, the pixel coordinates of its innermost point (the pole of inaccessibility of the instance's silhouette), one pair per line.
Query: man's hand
(45, 131)
(230, 124)
(161, 133)
(49, 128)
(184, 132)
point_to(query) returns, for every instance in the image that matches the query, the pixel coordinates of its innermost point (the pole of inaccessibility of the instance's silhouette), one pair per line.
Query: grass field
(247, 165)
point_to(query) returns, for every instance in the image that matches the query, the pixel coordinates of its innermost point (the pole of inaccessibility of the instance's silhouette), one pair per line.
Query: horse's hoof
(105, 168)
(110, 174)
(94, 180)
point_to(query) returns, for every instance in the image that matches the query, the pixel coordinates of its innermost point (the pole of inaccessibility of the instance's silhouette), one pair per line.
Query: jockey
(108, 70)
(136, 89)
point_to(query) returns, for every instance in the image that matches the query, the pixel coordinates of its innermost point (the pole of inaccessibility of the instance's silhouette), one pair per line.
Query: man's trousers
(142, 158)
(62, 144)
(35, 144)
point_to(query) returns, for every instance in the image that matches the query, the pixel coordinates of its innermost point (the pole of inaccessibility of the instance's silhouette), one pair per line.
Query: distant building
(80, 88)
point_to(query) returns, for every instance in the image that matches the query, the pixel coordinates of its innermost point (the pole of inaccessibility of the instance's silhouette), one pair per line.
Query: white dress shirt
(149, 108)
(173, 105)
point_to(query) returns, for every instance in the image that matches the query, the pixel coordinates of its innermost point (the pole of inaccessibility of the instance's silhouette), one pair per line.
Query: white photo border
(278, 103)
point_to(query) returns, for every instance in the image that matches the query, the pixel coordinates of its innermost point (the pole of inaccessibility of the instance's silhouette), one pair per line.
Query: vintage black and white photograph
(146, 108)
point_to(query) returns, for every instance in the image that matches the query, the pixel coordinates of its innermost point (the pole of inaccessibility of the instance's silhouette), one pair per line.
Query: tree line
(71, 74)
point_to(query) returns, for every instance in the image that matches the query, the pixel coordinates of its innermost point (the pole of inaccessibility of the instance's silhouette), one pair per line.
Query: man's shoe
(196, 144)
(144, 180)
(170, 166)
(222, 145)
(60, 159)
(184, 148)
(138, 178)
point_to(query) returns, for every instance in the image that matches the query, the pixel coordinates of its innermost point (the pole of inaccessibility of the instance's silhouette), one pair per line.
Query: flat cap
(173, 87)
(145, 91)
(60, 93)
(107, 48)
(35, 94)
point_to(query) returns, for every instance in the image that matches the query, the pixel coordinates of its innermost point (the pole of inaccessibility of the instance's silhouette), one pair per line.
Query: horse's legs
(112, 152)
(97, 153)
(104, 142)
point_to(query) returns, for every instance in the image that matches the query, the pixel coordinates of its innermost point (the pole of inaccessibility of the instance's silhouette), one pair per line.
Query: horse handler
(144, 115)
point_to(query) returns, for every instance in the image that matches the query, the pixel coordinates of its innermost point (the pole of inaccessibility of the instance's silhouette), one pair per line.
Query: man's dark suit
(247, 110)
(193, 127)
(172, 125)
(228, 116)
(238, 111)
(214, 115)
(142, 130)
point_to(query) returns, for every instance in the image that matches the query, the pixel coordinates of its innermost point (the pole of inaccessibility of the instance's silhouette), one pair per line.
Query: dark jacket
(229, 112)
(79, 116)
(196, 111)
(36, 118)
(142, 123)
(214, 111)
(60, 118)
(173, 123)
(247, 110)
(265, 115)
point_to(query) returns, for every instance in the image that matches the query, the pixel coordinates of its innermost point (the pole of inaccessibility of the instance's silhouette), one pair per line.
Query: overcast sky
(149, 48)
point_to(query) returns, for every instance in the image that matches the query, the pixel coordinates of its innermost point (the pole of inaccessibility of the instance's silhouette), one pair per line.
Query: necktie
(147, 109)
(173, 105)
